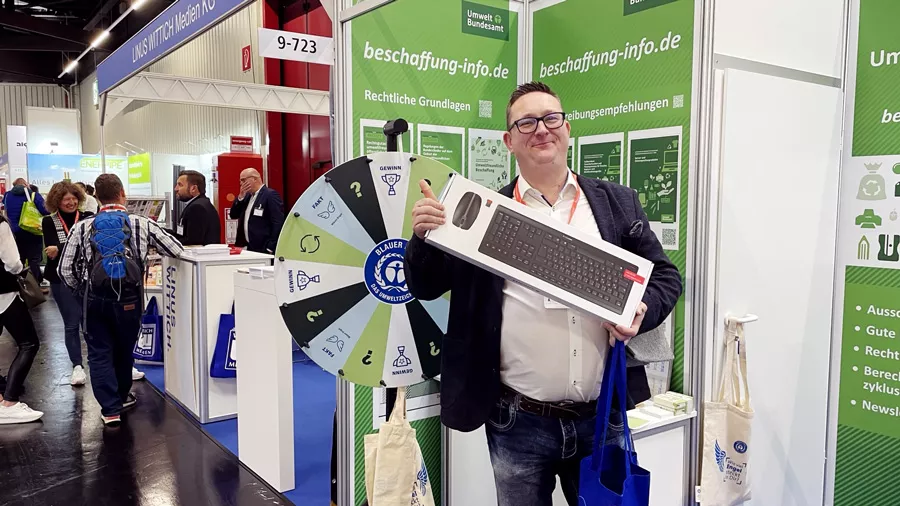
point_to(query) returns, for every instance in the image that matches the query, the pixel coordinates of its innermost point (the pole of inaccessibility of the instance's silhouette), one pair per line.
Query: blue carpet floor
(314, 404)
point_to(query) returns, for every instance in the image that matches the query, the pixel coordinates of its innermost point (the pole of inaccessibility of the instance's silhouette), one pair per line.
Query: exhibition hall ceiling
(39, 37)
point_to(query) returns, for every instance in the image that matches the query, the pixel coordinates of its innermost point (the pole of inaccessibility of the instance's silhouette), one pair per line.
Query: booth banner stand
(865, 387)
(628, 92)
(423, 62)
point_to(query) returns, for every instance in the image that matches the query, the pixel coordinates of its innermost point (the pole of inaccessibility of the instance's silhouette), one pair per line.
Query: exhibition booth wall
(733, 143)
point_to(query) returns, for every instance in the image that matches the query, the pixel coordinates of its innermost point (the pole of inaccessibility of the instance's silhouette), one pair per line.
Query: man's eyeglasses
(552, 121)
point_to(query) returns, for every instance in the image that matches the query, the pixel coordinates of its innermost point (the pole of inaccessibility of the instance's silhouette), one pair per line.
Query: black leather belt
(565, 410)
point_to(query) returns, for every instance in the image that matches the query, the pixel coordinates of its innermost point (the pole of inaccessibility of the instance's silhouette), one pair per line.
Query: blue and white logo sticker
(740, 447)
(385, 278)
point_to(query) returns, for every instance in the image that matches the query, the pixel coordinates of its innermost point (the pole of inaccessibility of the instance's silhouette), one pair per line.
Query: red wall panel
(297, 142)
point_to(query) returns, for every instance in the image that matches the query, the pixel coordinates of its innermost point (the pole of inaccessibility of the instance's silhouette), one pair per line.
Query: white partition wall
(777, 221)
(806, 35)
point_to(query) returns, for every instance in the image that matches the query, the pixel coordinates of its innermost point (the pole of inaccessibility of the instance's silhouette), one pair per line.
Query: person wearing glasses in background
(259, 212)
(508, 353)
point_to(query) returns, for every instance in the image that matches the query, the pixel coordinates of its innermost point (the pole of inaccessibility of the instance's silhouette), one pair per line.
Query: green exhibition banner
(448, 68)
(624, 72)
(139, 169)
(867, 295)
(876, 119)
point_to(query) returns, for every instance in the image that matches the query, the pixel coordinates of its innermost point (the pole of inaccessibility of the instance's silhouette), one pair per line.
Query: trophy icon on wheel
(402, 360)
(391, 180)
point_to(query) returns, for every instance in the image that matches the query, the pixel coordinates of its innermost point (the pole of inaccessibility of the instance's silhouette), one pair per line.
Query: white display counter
(661, 447)
(196, 291)
(265, 387)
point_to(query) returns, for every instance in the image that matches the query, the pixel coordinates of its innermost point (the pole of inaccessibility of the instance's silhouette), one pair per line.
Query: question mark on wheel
(434, 349)
(311, 316)
(368, 358)
(355, 186)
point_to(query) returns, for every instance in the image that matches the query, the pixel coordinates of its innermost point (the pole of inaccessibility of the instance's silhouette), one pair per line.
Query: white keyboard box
(463, 233)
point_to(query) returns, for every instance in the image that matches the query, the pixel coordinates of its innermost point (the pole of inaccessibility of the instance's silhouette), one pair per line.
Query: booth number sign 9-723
(283, 45)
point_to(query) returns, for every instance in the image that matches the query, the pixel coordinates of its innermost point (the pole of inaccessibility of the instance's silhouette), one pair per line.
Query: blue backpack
(116, 271)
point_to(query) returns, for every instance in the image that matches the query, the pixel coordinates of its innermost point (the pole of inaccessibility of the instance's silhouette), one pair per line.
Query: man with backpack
(103, 261)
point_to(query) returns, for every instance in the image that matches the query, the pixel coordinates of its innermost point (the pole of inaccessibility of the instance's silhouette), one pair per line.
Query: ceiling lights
(135, 4)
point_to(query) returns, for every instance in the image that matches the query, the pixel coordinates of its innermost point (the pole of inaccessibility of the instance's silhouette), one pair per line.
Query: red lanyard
(66, 227)
(574, 202)
(113, 207)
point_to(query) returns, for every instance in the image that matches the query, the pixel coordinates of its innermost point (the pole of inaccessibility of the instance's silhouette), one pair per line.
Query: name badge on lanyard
(258, 211)
(180, 230)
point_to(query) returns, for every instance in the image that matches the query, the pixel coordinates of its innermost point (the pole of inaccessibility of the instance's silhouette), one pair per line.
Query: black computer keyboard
(558, 259)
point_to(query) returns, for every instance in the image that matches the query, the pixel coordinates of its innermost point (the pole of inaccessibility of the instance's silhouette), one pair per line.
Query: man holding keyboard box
(526, 367)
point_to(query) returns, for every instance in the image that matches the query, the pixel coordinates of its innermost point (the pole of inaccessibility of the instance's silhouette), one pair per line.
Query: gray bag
(649, 347)
(30, 290)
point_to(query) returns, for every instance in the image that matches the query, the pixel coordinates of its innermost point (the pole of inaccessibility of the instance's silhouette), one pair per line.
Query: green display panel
(448, 68)
(867, 276)
(629, 77)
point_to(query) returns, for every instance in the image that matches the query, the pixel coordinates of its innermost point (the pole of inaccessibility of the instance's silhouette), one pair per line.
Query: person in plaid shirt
(111, 324)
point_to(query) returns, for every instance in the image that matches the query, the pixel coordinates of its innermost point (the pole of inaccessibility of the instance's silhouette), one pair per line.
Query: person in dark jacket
(259, 212)
(529, 368)
(30, 246)
(64, 201)
(198, 224)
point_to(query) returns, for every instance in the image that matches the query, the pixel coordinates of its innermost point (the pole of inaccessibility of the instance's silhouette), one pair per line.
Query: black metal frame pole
(392, 131)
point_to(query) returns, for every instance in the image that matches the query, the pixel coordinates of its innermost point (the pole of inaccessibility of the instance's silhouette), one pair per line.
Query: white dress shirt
(9, 254)
(249, 212)
(552, 354)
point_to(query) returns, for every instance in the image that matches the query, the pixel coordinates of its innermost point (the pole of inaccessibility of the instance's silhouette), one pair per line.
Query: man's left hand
(623, 333)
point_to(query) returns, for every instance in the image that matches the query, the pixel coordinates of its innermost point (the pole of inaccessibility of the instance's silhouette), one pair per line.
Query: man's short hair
(195, 178)
(109, 188)
(20, 182)
(524, 89)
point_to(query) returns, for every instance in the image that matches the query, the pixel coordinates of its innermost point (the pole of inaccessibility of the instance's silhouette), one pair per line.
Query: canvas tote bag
(726, 429)
(395, 470)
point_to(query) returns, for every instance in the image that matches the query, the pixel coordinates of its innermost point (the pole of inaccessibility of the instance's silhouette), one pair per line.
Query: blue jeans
(70, 307)
(111, 331)
(529, 451)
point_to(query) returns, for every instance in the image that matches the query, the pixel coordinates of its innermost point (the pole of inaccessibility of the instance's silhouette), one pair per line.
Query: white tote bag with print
(395, 469)
(726, 429)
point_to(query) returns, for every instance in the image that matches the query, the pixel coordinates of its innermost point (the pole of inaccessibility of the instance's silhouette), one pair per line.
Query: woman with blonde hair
(64, 201)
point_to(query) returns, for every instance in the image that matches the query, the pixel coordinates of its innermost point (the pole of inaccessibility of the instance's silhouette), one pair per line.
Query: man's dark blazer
(201, 223)
(264, 229)
(470, 364)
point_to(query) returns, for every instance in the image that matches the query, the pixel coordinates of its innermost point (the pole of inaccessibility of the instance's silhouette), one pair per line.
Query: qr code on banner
(485, 109)
(678, 101)
(668, 238)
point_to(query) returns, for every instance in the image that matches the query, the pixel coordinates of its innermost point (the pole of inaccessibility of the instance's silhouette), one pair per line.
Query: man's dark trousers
(111, 331)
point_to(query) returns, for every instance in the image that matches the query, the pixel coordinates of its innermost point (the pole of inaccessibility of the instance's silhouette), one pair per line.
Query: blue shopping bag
(611, 476)
(149, 344)
(224, 362)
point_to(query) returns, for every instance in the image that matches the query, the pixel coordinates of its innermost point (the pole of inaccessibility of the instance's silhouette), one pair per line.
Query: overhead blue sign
(181, 22)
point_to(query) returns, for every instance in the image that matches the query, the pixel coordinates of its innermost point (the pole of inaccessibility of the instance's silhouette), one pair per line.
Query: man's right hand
(428, 213)
(245, 189)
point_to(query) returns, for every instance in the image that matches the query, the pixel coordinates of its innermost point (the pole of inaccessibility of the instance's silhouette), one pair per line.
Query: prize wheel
(339, 273)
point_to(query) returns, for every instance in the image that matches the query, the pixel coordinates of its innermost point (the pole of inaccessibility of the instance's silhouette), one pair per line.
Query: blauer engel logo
(732, 470)
(384, 274)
